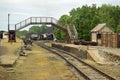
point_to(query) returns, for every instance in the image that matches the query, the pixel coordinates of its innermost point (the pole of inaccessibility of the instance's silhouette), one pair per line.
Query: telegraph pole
(11, 33)
(8, 26)
(8, 22)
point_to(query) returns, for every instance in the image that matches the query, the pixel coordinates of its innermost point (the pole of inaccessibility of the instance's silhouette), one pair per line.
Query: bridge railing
(36, 20)
(22, 24)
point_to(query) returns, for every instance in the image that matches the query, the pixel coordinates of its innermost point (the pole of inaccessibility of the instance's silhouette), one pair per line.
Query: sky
(22, 9)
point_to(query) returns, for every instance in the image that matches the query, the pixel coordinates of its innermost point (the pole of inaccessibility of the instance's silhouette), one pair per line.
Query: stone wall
(109, 56)
(82, 53)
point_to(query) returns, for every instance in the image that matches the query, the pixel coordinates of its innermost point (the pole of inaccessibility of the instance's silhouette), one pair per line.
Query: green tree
(36, 29)
(118, 28)
(43, 28)
(63, 21)
(21, 33)
(87, 17)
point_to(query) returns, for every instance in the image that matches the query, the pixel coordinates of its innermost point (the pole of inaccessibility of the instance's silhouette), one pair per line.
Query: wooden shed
(98, 30)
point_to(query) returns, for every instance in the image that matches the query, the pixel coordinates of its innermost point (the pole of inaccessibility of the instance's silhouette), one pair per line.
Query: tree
(21, 33)
(85, 18)
(36, 29)
(118, 28)
(63, 21)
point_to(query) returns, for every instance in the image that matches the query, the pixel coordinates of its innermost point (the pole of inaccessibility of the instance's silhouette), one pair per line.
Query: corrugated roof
(98, 27)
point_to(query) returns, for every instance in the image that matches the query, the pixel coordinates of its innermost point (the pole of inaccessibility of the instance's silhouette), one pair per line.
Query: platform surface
(8, 60)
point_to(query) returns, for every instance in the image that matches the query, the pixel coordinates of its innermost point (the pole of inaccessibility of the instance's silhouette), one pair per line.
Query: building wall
(94, 37)
(5, 35)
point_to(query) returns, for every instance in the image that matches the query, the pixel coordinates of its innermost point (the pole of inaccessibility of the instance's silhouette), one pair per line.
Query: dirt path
(41, 65)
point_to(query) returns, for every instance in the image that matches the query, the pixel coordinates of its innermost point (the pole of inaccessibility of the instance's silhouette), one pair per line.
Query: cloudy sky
(22, 9)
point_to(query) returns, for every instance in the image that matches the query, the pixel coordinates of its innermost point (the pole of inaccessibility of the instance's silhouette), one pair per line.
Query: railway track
(84, 69)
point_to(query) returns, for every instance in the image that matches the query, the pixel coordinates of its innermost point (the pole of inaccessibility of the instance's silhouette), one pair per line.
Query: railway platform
(9, 52)
(101, 55)
(103, 58)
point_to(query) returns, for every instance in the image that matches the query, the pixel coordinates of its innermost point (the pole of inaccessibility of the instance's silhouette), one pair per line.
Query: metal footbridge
(70, 32)
(38, 20)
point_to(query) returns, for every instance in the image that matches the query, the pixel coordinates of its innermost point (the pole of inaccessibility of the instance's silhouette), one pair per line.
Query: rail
(87, 71)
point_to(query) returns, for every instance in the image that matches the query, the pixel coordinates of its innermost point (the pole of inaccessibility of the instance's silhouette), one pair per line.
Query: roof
(99, 27)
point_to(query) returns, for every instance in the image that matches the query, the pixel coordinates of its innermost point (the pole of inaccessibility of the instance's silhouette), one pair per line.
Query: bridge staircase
(72, 33)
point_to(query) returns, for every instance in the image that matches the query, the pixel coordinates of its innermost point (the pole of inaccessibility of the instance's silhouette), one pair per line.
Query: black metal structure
(11, 36)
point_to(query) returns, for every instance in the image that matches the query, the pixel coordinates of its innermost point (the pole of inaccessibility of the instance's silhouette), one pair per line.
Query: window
(98, 36)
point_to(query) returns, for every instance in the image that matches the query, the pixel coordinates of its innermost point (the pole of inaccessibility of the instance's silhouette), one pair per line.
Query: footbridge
(39, 20)
(71, 33)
